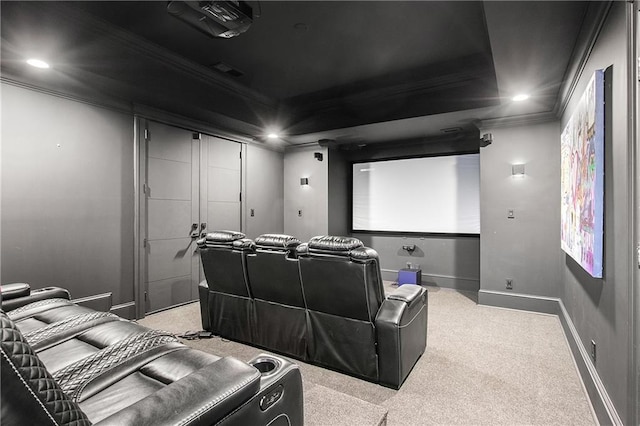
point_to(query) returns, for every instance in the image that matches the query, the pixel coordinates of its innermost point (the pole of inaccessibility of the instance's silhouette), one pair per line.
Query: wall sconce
(304, 181)
(517, 170)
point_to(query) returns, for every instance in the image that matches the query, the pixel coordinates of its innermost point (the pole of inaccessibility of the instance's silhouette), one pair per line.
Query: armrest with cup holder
(20, 294)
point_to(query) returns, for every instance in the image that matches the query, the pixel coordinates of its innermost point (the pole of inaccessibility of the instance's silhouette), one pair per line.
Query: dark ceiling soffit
(466, 83)
(469, 135)
(517, 120)
(592, 23)
(418, 79)
(153, 51)
(467, 142)
(420, 103)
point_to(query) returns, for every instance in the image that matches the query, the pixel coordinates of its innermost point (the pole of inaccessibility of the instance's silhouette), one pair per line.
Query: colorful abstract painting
(582, 179)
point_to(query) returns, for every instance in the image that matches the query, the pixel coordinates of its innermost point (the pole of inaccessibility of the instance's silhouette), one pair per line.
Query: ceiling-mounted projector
(224, 19)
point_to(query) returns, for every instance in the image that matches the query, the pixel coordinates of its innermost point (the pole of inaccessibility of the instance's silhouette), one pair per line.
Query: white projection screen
(418, 195)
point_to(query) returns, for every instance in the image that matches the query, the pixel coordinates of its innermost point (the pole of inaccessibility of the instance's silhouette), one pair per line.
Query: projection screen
(418, 195)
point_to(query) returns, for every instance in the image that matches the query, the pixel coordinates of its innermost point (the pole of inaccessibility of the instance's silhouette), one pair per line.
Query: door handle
(194, 231)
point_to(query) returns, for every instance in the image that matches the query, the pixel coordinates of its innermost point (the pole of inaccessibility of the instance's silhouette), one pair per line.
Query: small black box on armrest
(14, 290)
(32, 296)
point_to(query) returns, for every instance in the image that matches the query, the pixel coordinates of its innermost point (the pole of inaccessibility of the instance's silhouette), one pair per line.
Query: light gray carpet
(483, 365)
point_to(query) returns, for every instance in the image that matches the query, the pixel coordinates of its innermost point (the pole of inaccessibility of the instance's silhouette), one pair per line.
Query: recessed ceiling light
(273, 136)
(37, 63)
(521, 97)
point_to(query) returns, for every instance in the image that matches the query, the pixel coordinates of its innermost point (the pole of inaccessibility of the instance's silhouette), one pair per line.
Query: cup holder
(266, 366)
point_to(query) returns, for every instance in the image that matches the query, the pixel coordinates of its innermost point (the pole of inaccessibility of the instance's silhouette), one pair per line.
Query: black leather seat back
(223, 261)
(280, 315)
(273, 270)
(343, 290)
(341, 277)
(229, 301)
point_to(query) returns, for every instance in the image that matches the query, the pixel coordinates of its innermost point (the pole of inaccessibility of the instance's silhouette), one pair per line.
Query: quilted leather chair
(119, 373)
(279, 309)
(353, 327)
(229, 299)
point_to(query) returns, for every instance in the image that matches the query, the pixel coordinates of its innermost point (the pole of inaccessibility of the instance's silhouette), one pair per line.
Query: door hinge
(144, 243)
(145, 189)
(241, 155)
(145, 296)
(147, 135)
(241, 197)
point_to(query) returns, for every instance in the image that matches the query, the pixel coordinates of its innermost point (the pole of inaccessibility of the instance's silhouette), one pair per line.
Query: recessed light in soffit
(38, 63)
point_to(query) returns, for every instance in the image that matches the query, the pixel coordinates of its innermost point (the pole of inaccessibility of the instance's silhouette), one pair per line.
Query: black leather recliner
(325, 304)
(280, 316)
(118, 372)
(227, 294)
(353, 328)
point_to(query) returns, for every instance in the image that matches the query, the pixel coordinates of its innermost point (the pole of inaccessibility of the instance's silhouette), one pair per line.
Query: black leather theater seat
(229, 297)
(117, 372)
(279, 310)
(322, 302)
(353, 327)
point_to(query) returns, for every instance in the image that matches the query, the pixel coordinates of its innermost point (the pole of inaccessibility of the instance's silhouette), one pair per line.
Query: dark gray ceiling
(314, 69)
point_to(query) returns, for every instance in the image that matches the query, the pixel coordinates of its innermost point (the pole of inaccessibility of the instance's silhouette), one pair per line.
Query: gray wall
(264, 191)
(599, 308)
(312, 199)
(451, 262)
(526, 248)
(67, 195)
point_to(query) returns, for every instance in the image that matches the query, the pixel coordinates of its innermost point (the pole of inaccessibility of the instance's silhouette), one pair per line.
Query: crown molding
(596, 13)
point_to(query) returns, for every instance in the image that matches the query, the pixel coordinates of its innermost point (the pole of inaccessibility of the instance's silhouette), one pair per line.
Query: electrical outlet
(509, 284)
(511, 214)
(253, 212)
(299, 213)
(593, 351)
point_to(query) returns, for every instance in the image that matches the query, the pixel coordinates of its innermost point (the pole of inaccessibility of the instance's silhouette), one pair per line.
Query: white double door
(191, 183)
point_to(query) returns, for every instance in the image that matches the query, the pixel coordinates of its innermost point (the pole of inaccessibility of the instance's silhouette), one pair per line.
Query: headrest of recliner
(220, 238)
(349, 247)
(329, 245)
(277, 241)
(332, 244)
